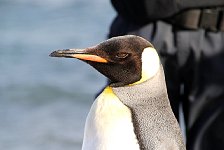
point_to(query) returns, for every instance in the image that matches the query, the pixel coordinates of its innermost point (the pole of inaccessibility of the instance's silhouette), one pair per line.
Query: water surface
(44, 101)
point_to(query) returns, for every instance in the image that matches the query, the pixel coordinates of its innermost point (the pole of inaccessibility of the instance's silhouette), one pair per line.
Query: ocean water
(44, 101)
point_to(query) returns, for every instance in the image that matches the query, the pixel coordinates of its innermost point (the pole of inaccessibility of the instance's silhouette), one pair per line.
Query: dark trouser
(193, 62)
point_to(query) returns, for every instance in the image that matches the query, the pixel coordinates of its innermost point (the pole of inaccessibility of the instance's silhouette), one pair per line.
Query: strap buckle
(211, 19)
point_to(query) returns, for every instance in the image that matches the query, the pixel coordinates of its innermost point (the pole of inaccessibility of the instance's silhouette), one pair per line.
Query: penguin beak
(83, 54)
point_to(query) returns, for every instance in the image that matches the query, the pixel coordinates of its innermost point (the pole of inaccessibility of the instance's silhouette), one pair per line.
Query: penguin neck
(151, 89)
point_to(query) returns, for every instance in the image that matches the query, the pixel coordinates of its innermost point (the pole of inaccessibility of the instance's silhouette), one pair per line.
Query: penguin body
(133, 112)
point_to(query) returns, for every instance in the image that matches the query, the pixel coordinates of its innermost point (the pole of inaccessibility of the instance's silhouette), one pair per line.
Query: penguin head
(124, 60)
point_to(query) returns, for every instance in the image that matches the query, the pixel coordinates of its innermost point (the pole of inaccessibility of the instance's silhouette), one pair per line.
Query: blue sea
(44, 101)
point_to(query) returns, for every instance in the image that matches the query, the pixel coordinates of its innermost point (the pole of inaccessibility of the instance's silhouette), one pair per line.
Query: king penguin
(133, 112)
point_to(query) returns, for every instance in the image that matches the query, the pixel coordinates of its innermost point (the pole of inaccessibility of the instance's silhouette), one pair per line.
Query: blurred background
(44, 101)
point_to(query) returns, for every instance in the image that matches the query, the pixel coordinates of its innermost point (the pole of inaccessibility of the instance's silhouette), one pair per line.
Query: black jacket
(143, 11)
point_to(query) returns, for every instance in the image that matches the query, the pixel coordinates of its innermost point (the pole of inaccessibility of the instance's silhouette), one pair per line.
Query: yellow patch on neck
(150, 64)
(108, 90)
(109, 94)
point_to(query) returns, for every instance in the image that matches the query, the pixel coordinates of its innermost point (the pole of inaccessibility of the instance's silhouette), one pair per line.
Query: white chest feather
(109, 125)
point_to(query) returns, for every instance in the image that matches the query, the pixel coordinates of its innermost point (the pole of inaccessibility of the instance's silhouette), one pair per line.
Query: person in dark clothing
(189, 36)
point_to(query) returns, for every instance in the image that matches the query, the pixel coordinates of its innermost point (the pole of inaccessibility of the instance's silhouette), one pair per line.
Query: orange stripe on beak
(89, 57)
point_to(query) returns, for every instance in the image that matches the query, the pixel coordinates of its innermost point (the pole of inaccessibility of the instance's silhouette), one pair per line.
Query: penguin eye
(121, 55)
